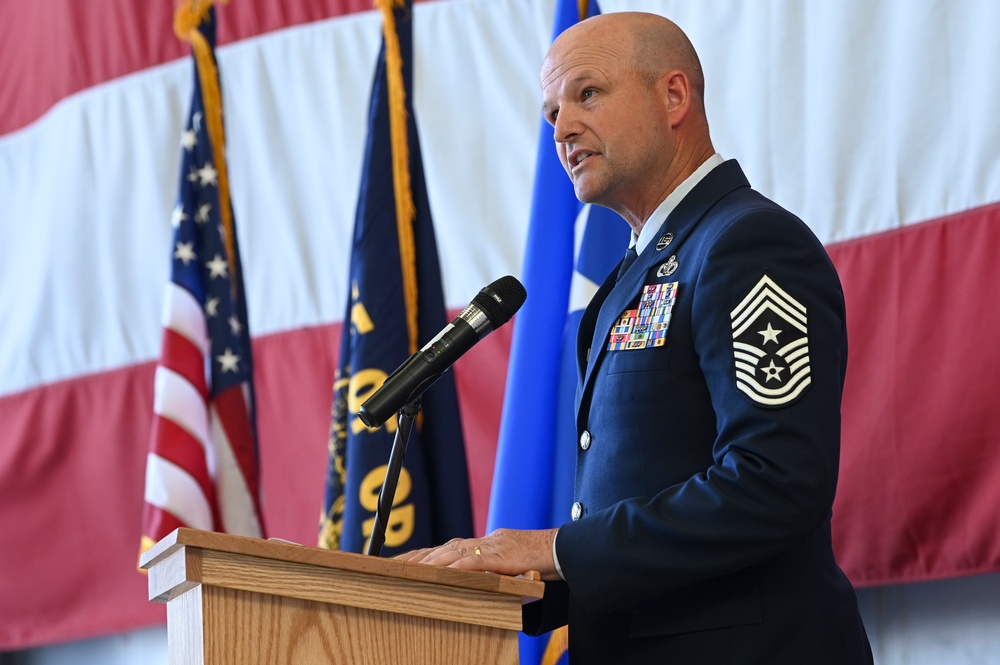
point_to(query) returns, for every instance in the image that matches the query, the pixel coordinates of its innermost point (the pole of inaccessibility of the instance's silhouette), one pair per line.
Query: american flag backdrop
(202, 469)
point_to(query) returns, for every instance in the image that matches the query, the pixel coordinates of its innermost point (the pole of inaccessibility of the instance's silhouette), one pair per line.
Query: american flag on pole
(202, 467)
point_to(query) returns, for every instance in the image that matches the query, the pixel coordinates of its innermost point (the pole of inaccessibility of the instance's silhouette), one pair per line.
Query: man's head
(624, 93)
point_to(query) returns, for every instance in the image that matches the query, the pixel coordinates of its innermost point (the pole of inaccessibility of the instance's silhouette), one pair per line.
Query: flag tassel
(187, 18)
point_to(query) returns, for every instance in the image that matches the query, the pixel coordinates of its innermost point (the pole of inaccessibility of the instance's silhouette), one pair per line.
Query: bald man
(711, 367)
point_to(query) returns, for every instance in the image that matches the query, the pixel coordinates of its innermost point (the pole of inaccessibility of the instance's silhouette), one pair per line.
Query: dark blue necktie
(630, 257)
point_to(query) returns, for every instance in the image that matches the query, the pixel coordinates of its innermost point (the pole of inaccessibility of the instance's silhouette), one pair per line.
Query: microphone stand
(388, 492)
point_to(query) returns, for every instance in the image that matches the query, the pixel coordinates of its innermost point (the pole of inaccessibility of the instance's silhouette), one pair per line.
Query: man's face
(609, 124)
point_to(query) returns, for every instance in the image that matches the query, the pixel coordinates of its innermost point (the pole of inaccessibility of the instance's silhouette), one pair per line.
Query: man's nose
(566, 126)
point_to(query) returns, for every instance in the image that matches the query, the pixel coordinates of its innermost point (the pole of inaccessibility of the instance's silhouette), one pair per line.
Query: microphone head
(500, 300)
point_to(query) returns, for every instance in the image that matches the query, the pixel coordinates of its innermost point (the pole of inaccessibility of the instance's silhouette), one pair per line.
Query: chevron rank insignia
(771, 346)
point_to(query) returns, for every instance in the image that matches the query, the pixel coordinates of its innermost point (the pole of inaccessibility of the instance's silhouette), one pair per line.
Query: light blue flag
(571, 248)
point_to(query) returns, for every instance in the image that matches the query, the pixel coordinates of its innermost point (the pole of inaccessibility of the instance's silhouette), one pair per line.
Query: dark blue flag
(570, 250)
(395, 303)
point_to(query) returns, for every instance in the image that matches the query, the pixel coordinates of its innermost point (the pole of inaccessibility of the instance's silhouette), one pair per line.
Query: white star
(773, 372)
(185, 252)
(178, 216)
(770, 335)
(235, 325)
(207, 175)
(192, 175)
(217, 267)
(230, 361)
(189, 140)
(196, 121)
(212, 307)
(202, 215)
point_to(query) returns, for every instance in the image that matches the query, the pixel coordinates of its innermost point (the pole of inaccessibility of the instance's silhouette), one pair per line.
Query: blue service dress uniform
(709, 419)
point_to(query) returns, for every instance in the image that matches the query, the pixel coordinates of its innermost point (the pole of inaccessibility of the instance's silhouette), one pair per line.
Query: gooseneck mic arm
(387, 494)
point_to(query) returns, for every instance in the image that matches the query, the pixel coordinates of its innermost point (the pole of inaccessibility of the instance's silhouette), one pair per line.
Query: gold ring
(478, 551)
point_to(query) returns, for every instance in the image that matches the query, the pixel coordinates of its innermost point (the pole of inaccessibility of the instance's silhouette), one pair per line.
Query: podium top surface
(285, 551)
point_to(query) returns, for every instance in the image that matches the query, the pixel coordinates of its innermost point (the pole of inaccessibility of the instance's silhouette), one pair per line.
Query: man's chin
(585, 193)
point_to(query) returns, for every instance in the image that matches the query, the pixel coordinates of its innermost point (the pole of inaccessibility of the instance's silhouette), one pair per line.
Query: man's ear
(676, 90)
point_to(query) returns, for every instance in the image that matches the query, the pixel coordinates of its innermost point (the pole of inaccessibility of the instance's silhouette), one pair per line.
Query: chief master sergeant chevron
(708, 408)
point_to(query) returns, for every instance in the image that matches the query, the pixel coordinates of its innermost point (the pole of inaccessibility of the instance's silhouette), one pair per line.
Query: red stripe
(158, 523)
(182, 356)
(920, 465)
(72, 465)
(56, 48)
(176, 445)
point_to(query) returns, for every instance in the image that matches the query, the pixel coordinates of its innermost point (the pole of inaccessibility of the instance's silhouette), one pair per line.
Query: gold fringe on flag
(189, 15)
(557, 646)
(405, 209)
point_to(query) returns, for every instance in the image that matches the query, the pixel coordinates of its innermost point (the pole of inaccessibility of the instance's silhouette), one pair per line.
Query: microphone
(492, 307)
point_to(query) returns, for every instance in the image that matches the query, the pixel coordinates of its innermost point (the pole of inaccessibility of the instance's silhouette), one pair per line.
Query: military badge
(668, 268)
(647, 325)
(771, 346)
(664, 240)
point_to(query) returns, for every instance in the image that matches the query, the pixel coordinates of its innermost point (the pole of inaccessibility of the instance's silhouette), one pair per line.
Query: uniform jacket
(709, 448)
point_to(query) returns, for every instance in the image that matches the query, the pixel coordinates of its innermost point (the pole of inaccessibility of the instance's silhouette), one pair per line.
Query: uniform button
(577, 511)
(585, 440)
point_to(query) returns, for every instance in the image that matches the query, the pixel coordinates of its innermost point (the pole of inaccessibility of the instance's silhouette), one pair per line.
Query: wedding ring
(478, 551)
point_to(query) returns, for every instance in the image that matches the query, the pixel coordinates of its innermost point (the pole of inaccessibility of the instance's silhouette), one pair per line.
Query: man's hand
(505, 551)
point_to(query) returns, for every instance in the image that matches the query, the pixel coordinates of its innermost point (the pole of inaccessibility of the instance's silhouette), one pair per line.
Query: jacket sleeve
(546, 614)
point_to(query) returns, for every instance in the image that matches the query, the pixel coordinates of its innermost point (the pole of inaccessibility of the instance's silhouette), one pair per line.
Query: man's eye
(588, 93)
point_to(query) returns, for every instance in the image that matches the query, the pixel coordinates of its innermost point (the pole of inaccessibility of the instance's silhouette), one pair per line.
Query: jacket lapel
(612, 299)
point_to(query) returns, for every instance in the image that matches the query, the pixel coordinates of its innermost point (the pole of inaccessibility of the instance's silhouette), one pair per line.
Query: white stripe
(796, 351)
(236, 507)
(768, 296)
(178, 401)
(773, 401)
(171, 488)
(752, 382)
(183, 314)
(794, 367)
(749, 349)
(764, 285)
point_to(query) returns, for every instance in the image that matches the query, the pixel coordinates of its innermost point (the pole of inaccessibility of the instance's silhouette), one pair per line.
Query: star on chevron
(230, 361)
(773, 372)
(770, 335)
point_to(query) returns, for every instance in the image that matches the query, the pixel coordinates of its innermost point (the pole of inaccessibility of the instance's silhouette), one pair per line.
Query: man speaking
(711, 366)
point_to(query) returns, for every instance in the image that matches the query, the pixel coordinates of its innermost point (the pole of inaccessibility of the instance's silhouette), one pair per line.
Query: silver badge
(770, 346)
(669, 267)
(664, 240)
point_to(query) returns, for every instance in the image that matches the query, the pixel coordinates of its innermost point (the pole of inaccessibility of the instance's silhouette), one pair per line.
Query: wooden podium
(242, 601)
